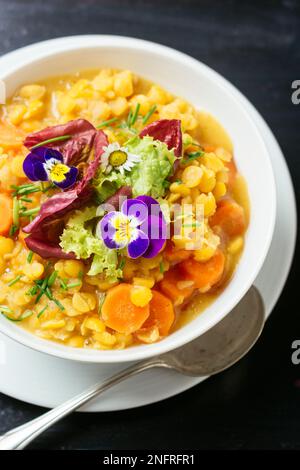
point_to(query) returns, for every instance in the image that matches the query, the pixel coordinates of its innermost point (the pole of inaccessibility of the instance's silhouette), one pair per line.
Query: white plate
(47, 381)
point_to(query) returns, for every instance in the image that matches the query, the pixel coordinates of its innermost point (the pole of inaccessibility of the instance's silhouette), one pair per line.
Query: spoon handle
(20, 437)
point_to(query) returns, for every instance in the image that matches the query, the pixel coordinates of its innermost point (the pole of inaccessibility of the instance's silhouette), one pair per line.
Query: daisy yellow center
(117, 158)
(58, 172)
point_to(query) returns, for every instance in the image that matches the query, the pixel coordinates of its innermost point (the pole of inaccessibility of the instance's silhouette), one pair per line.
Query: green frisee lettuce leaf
(149, 176)
(78, 237)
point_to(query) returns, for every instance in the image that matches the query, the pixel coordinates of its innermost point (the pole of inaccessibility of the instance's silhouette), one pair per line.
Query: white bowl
(204, 88)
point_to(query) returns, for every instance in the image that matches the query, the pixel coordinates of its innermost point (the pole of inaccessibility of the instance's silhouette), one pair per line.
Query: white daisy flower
(118, 158)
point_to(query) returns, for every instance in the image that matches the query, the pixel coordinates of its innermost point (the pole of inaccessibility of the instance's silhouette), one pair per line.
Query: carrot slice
(174, 254)
(161, 313)
(5, 213)
(10, 137)
(204, 274)
(172, 285)
(230, 216)
(119, 313)
(232, 172)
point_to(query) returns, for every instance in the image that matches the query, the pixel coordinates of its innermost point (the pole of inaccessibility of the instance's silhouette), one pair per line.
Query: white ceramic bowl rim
(226, 301)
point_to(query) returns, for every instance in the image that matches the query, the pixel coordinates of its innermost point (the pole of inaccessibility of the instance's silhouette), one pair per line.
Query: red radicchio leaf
(75, 149)
(167, 131)
(116, 199)
(47, 227)
(46, 249)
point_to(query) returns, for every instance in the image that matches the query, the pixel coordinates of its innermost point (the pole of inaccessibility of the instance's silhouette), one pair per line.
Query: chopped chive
(42, 288)
(52, 278)
(129, 118)
(14, 281)
(27, 185)
(32, 291)
(80, 275)
(16, 208)
(197, 145)
(161, 267)
(57, 302)
(28, 190)
(149, 114)
(122, 263)
(25, 315)
(4, 308)
(135, 115)
(106, 123)
(101, 301)
(42, 311)
(63, 284)
(48, 293)
(192, 156)
(49, 141)
(30, 212)
(73, 284)
(25, 199)
(12, 230)
(30, 256)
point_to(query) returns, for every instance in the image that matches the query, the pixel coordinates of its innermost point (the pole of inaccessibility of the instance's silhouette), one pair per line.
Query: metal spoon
(213, 352)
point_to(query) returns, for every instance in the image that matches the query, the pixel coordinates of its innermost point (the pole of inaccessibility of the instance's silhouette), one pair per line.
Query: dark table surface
(256, 45)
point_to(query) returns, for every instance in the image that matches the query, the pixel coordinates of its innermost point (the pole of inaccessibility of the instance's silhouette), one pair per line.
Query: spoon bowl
(224, 344)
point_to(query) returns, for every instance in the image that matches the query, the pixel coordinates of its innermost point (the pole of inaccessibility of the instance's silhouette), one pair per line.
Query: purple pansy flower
(140, 226)
(46, 164)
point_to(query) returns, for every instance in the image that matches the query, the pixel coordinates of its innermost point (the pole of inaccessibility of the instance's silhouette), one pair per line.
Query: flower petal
(51, 153)
(70, 178)
(107, 232)
(136, 211)
(157, 234)
(33, 167)
(138, 244)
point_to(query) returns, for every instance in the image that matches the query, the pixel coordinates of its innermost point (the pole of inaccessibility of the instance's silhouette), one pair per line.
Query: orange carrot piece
(204, 274)
(6, 217)
(169, 285)
(174, 254)
(10, 137)
(231, 173)
(119, 313)
(208, 147)
(230, 216)
(161, 313)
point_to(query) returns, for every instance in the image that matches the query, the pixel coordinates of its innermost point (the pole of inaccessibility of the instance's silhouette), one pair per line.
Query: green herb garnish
(13, 229)
(49, 141)
(16, 209)
(149, 114)
(14, 281)
(63, 285)
(30, 256)
(107, 123)
(101, 301)
(122, 264)
(42, 288)
(42, 311)
(52, 278)
(74, 284)
(135, 115)
(161, 267)
(57, 302)
(26, 213)
(25, 315)
(25, 199)
(191, 156)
